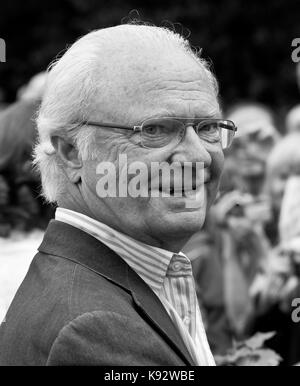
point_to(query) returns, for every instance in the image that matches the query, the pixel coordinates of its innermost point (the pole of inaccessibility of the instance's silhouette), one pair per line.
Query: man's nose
(192, 149)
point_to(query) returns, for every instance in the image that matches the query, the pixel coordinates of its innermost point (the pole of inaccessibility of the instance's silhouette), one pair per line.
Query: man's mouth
(189, 189)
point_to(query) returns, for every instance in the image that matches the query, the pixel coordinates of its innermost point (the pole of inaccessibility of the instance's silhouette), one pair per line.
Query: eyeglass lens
(159, 132)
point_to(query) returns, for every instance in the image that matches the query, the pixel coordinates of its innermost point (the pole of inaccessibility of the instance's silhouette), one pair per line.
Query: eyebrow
(172, 114)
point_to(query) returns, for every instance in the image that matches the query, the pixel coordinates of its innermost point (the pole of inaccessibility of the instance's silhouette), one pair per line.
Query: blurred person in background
(203, 249)
(34, 89)
(281, 164)
(242, 210)
(278, 284)
(243, 247)
(23, 214)
(22, 208)
(292, 121)
(255, 139)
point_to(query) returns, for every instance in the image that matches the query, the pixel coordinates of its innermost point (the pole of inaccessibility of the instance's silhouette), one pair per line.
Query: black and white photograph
(150, 186)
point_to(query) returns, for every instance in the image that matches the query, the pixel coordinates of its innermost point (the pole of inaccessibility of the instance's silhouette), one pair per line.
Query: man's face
(164, 88)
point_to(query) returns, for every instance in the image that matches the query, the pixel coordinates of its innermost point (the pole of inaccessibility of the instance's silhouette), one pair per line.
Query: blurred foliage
(249, 43)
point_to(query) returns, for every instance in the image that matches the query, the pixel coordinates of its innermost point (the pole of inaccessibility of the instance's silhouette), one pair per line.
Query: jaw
(171, 223)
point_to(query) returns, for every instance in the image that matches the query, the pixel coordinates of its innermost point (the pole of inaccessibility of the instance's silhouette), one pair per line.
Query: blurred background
(246, 260)
(249, 43)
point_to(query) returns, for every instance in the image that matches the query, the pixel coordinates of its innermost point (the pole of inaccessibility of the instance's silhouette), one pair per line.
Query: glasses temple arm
(109, 125)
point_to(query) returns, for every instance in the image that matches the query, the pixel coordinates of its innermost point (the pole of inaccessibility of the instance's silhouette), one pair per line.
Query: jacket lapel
(152, 309)
(68, 242)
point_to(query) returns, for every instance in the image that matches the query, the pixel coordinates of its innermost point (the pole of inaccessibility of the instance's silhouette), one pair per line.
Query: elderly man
(109, 285)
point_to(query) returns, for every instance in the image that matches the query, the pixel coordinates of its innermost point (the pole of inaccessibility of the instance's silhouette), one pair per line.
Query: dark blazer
(81, 304)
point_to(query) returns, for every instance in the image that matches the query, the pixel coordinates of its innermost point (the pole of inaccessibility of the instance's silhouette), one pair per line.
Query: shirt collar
(151, 263)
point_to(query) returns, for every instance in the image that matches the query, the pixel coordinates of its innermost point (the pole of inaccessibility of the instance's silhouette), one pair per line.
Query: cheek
(217, 162)
(89, 175)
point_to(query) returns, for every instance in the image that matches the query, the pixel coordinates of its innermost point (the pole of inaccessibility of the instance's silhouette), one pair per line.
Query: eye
(158, 133)
(152, 130)
(210, 127)
(155, 130)
(209, 132)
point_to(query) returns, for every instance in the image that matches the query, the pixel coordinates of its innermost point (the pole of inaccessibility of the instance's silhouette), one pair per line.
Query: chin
(177, 224)
(173, 217)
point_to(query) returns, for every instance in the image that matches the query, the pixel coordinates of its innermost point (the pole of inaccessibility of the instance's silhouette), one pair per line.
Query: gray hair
(73, 82)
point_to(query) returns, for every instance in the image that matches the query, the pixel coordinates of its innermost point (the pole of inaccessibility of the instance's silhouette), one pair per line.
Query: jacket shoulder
(54, 292)
(106, 338)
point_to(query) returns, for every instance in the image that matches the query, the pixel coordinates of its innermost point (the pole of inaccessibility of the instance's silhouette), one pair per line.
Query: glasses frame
(186, 121)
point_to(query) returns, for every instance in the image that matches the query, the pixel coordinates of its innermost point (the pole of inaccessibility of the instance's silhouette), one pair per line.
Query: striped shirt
(168, 274)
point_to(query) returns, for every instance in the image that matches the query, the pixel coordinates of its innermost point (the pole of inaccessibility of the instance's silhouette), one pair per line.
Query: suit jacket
(81, 304)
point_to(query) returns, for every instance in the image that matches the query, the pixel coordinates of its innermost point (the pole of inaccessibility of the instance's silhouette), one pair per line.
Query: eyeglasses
(160, 132)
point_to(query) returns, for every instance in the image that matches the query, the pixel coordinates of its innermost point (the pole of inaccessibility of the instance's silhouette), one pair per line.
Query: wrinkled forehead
(162, 83)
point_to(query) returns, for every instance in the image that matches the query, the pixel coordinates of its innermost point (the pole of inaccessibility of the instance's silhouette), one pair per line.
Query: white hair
(86, 73)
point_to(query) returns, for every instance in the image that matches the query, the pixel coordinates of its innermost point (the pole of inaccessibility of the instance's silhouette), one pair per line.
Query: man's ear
(69, 156)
